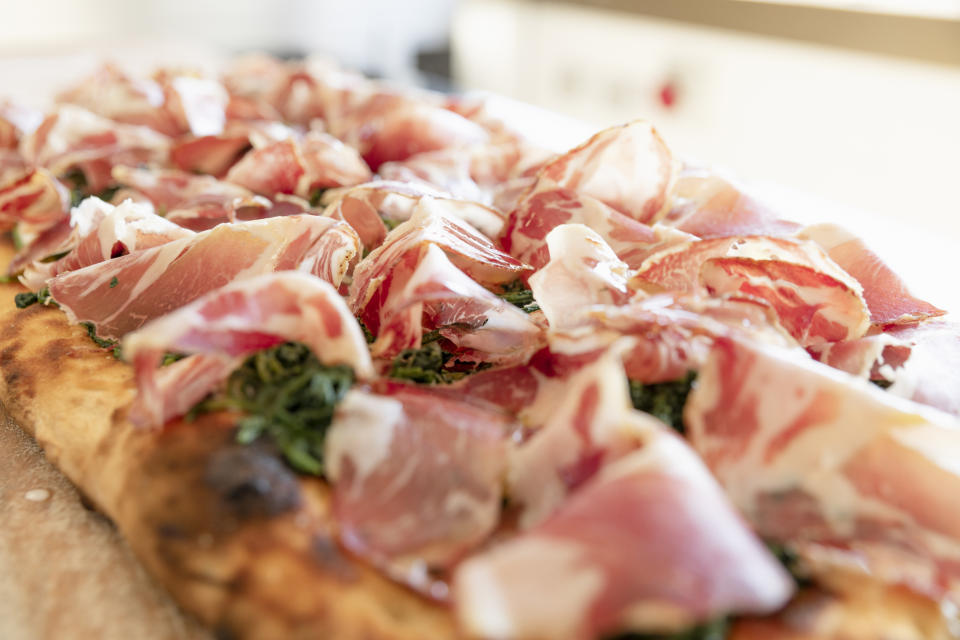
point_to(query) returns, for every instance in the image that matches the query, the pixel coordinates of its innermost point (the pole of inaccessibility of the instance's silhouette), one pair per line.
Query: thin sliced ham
(709, 206)
(815, 300)
(73, 137)
(583, 271)
(832, 465)
(430, 224)
(183, 196)
(650, 544)
(122, 294)
(233, 321)
(931, 373)
(887, 296)
(416, 479)
(290, 166)
(101, 231)
(36, 200)
(369, 208)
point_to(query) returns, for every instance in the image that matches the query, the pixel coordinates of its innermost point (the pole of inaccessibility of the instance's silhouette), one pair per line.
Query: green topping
(79, 189)
(316, 196)
(288, 397)
(105, 343)
(664, 400)
(27, 298)
(791, 562)
(714, 630)
(883, 384)
(391, 224)
(370, 338)
(430, 364)
(17, 238)
(107, 194)
(114, 282)
(170, 358)
(517, 294)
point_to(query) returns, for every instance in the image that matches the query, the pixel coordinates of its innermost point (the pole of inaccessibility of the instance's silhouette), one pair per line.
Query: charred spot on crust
(328, 555)
(252, 481)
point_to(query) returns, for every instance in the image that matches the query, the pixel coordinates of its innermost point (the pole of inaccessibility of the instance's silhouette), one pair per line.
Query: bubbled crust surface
(237, 540)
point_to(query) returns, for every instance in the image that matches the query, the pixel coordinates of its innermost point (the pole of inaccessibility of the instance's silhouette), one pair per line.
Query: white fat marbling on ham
(120, 295)
(437, 295)
(429, 489)
(198, 103)
(815, 300)
(583, 271)
(238, 319)
(73, 137)
(33, 201)
(101, 231)
(931, 373)
(886, 295)
(650, 544)
(819, 459)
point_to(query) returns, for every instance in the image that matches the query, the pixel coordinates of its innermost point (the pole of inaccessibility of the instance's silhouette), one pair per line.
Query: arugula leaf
(517, 294)
(288, 397)
(664, 400)
(430, 364)
(716, 629)
(27, 298)
(791, 562)
(316, 196)
(106, 343)
(883, 384)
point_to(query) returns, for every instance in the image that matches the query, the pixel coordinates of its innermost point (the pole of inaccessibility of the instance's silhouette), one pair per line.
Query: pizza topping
(650, 544)
(832, 465)
(814, 299)
(299, 167)
(158, 280)
(73, 137)
(417, 479)
(240, 318)
(663, 400)
(582, 271)
(885, 293)
(100, 232)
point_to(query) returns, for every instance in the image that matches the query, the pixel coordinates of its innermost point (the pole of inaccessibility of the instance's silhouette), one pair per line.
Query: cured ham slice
(182, 196)
(615, 183)
(36, 200)
(930, 373)
(887, 296)
(583, 271)
(318, 161)
(709, 206)
(234, 321)
(372, 208)
(122, 294)
(16, 121)
(430, 223)
(100, 231)
(831, 464)
(73, 137)
(650, 544)
(416, 479)
(815, 300)
(437, 295)
(171, 104)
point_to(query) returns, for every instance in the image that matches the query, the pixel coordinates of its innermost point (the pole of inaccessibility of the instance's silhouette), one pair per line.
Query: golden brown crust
(250, 558)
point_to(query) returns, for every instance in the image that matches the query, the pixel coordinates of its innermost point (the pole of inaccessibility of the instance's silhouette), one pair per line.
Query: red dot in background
(668, 94)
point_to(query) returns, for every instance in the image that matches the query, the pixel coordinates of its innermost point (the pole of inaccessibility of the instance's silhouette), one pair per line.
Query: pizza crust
(248, 557)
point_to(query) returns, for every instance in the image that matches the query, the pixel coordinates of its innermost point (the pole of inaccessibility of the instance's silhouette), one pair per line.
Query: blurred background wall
(857, 103)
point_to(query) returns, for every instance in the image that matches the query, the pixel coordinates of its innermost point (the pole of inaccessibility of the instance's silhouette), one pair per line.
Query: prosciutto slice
(615, 183)
(831, 464)
(886, 295)
(231, 322)
(815, 300)
(930, 373)
(370, 208)
(416, 479)
(122, 294)
(36, 200)
(184, 197)
(650, 544)
(710, 206)
(288, 166)
(101, 231)
(73, 137)
(583, 271)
